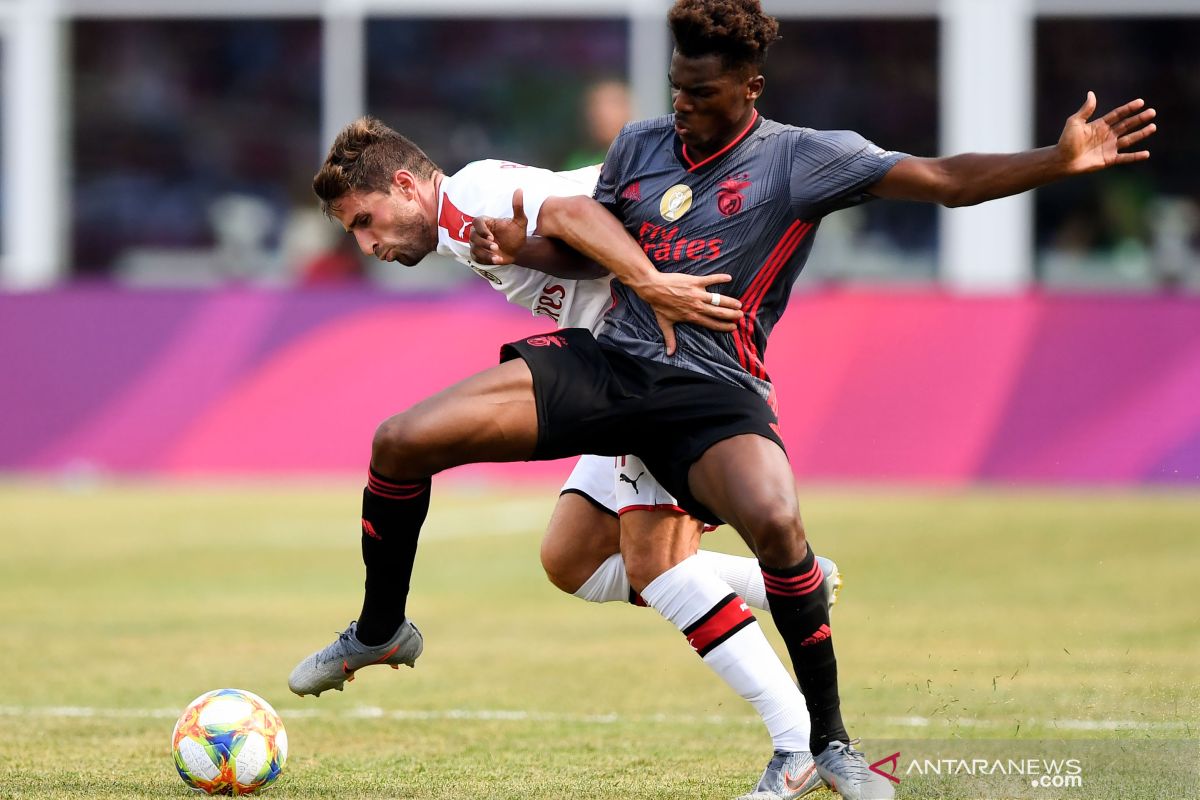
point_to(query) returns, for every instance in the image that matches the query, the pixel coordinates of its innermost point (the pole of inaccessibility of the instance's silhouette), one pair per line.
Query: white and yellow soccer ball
(229, 741)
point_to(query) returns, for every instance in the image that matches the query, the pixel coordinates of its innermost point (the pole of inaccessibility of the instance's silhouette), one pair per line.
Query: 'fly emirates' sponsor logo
(663, 244)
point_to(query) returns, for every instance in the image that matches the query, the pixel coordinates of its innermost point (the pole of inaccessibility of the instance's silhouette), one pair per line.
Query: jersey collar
(681, 151)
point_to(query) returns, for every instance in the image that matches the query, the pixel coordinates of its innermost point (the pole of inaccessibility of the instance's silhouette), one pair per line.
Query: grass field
(983, 621)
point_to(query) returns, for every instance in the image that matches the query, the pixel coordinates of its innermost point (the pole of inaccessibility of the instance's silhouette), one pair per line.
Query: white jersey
(485, 188)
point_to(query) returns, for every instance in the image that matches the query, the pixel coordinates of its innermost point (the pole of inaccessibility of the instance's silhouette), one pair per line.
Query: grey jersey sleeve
(833, 170)
(608, 185)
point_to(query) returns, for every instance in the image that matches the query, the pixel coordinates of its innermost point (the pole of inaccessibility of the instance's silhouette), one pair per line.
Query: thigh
(748, 482)
(579, 538)
(490, 416)
(583, 405)
(682, 416)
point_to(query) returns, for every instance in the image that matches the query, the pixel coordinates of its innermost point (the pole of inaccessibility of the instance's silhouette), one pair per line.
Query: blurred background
(163, 262)
(177, 138)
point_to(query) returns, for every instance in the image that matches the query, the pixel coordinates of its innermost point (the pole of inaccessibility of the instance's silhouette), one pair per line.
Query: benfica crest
(729, 194)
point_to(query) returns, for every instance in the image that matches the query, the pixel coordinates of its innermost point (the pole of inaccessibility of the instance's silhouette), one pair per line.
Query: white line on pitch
(490, 715)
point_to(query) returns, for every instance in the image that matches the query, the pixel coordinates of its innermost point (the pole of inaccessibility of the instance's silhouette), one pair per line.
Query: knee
(778, 534)
(563, 568)
(394, 447)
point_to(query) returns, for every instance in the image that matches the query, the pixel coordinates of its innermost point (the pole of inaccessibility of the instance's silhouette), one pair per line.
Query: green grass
(998, 620)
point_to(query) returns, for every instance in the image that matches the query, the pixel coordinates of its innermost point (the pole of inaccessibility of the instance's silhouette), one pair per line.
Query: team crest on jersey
(729, 194)
(675, 202)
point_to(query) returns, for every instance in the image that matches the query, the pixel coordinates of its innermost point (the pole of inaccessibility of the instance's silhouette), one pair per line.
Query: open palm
(1091, 145)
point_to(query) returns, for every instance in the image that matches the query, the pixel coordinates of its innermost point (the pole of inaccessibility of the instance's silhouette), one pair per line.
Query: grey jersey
(750, 210)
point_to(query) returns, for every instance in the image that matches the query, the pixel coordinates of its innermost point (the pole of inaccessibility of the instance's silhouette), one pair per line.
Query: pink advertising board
(907, 387)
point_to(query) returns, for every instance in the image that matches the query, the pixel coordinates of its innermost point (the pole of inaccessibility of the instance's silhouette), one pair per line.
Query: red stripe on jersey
(766, 273)
(748, 354)
(457, 224)
(692, 166)
(744, 335)
(739, 344)
(726, 618)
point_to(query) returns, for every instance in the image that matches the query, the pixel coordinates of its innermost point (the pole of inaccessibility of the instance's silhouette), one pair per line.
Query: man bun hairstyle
(738, 31)
(363, 157)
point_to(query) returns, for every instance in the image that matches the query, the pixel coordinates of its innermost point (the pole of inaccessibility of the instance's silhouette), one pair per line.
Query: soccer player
(714, 187)
(696, 414)
(581, 549)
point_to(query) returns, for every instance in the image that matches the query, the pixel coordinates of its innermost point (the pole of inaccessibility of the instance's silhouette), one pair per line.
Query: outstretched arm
(1084, 146)
(589, 228)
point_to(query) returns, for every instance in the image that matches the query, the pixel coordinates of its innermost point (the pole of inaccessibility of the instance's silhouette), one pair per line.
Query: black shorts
(594, 399)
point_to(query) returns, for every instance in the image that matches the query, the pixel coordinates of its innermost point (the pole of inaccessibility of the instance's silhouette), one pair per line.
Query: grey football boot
(331, 667)
(787, 777)
(833, 580)
(845, 770)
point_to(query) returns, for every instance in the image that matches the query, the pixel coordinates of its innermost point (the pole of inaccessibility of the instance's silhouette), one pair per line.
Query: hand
(1090, 146)
(677, 297)
(497, 240)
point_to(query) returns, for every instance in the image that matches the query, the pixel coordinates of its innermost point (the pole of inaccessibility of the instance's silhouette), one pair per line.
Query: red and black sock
(797, 602)
(393, 513)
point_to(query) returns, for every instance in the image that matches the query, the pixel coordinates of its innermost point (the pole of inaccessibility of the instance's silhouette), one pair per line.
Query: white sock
(743, 574)
(723, 631)
(609, 582)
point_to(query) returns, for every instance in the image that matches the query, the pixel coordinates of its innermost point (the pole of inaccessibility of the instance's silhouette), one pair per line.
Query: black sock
(393, 512)
(797, 602)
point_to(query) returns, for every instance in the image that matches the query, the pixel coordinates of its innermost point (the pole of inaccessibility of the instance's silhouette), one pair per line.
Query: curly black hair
(738, 31)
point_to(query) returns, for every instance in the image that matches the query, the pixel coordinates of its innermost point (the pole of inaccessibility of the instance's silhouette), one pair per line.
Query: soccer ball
(229, 741)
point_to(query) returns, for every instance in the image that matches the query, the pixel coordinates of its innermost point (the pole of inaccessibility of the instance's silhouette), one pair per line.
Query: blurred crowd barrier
(907, 387)
(190, 143)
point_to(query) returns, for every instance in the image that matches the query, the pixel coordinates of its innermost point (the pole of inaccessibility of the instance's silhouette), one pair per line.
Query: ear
(404, 182)
(754, 87)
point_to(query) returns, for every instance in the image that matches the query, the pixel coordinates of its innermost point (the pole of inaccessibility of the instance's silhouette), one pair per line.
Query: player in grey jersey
(751, 213)
(714, 188)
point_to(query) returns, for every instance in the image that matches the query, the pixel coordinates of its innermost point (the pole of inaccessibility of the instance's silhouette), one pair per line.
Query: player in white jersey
(484, 188)
(404, 213)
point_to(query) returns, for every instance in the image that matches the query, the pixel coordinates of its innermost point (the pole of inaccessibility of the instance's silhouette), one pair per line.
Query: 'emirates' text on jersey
(750, 211)
(485, 188)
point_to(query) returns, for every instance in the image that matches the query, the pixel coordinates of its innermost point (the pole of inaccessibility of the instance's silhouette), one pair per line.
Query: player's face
(388, 225)
(713, 103)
